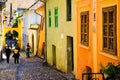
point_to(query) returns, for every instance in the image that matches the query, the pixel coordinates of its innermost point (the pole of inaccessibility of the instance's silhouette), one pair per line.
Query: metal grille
(93, 76)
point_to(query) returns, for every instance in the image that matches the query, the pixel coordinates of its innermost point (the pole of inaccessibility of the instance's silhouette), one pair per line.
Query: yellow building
(12, 34)
(32, 37)
(61, 37)
(17, 29)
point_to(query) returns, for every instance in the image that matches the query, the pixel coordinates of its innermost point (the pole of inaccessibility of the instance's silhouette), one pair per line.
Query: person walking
(16, 55)
(8, 52)
(28, 50)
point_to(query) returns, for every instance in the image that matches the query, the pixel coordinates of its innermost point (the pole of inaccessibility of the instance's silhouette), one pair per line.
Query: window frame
(84, 29)
(107, 23)
(69, 9)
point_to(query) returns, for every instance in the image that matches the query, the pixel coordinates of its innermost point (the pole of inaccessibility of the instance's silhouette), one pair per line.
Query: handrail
(93, 78)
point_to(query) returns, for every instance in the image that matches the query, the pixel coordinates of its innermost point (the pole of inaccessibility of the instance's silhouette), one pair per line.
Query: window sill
(83, 46)
(109, 55)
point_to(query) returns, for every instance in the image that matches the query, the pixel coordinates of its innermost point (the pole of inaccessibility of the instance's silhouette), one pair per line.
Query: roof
(36, 5)
(29, 3)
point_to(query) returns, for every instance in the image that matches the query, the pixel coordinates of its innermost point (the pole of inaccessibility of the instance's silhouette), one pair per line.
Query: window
(56, 17)
(109, 30)
(49, 17)
(68, 10)
(85, 28)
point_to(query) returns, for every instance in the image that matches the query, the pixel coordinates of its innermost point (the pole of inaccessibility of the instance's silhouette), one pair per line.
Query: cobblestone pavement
(30, 69)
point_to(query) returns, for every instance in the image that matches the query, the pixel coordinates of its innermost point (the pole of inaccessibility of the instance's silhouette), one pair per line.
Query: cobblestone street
(30, 69)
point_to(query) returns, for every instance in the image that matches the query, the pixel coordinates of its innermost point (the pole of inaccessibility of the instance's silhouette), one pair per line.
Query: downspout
(38, 13)
(45, 34)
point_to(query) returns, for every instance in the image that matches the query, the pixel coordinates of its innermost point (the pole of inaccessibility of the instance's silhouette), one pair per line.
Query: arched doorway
(11, 38)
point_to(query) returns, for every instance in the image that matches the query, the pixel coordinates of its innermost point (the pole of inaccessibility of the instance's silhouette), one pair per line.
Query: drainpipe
(45, 34)
(38, 13)
(38, 31)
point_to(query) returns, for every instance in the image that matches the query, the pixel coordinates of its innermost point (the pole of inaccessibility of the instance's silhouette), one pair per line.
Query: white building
(30, 19)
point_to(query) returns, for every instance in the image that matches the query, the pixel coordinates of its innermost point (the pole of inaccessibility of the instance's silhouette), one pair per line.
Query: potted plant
(112, 71)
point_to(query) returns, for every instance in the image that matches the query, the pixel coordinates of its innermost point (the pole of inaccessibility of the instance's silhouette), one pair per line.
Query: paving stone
(29, 69)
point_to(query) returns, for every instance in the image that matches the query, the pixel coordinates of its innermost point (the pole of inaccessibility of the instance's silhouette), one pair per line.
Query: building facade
(30, 26)
(61, 34)
(11, 33)
(41, 32)
(97, 35)
(2, 6)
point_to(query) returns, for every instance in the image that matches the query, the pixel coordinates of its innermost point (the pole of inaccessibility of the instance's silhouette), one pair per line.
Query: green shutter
(56, 17)
(49, 16)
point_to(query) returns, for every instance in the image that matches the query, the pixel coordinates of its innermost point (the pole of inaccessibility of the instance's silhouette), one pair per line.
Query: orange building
(41, 31)
(97, 35)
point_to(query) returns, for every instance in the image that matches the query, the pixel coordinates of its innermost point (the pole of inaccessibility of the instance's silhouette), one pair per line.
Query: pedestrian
(16, 55)
(8, 52)
(27, 50)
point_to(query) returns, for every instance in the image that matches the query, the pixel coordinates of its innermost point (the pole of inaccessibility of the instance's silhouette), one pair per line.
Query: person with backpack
(28, 50)
(16, 54)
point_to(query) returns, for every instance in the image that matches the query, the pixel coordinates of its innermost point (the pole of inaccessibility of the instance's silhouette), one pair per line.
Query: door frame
(54, 54)
(70, 54)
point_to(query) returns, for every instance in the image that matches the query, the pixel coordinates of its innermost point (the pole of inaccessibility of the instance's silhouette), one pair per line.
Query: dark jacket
(8, 51)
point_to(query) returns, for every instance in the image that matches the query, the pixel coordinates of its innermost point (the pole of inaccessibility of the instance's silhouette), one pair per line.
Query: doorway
(11, 39)
(33, 43)
(70, 62)
(54, 54)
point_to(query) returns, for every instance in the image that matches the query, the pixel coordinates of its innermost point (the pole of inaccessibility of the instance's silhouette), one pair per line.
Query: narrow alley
(32, 68)
(66, 39)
